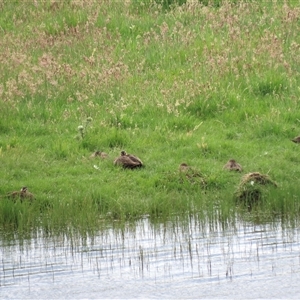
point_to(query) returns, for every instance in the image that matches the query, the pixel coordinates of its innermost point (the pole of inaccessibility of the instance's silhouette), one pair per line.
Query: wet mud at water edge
(173, 259)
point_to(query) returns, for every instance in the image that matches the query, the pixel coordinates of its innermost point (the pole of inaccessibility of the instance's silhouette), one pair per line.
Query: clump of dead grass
(257, 177)
(253, 186)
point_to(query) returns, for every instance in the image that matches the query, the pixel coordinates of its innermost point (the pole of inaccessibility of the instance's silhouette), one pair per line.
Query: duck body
(183, 167)
(192, 175)
(99, 154)
(296, 140)
(128, 161)
(22, 194)
(188, 171)
(232, 165)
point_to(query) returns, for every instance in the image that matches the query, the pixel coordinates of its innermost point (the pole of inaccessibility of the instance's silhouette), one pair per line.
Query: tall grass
(170, 81)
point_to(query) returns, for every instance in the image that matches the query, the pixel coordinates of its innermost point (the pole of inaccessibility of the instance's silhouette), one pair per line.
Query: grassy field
(199, 83)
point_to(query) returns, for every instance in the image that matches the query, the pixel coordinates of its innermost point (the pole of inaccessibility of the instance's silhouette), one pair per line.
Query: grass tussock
(169, 81)
(252, 188)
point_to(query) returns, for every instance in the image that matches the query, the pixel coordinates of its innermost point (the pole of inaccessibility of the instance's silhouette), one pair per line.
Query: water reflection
(175, 259)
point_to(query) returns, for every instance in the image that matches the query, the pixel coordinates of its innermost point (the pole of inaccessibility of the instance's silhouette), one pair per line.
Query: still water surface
(145, 260)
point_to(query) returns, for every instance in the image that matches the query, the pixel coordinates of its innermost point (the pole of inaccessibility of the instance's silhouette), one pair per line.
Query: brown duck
(128, 161)
(183, 167)
(296, 139)
(188, 170)
(99, 153)
(22, 194)
(232, 165)
(192, 175)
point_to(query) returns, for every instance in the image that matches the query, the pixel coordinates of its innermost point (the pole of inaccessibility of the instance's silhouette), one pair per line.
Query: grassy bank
(198, 83)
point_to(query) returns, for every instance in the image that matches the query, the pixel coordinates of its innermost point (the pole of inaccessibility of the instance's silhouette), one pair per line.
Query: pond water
(174, 259)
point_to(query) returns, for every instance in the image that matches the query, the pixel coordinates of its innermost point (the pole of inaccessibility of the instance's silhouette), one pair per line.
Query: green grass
(172, 82)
